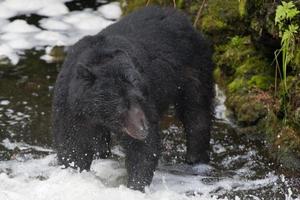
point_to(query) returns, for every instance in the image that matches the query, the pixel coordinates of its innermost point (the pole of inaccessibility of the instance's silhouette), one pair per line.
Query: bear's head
(107, 90)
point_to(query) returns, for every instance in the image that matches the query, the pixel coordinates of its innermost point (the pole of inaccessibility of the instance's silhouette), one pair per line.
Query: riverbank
(245, 38)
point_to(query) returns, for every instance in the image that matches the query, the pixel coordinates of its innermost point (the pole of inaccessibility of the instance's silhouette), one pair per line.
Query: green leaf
(286, 11)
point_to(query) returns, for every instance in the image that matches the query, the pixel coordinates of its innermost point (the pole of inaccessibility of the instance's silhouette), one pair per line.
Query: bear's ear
(136, 124)
(108, 55)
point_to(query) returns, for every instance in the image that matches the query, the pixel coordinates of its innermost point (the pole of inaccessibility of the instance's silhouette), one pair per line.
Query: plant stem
(199, 13)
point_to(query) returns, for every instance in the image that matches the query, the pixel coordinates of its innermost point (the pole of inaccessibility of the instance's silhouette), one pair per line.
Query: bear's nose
(136, 124)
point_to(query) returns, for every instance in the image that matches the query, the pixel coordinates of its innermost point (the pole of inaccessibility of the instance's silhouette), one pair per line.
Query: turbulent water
(237, 170)
(28, 167)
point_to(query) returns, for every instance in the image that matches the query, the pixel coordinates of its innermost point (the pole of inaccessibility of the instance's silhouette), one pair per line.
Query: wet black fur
(151, 58)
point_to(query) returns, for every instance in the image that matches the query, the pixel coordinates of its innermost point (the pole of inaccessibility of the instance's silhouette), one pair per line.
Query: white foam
(54, 9)
(111, 10)
(25, 6)
(10, 53)
(4, 102)
(43, 179)
(5, 12)
(3, 21)
(51, 38)
(54, 24)
(62, 27)
(47, 57)
(20, 43)
(22, 146)
(32, 6)
(19, 26)
(221, 111)
(87, 21)
(218, 148)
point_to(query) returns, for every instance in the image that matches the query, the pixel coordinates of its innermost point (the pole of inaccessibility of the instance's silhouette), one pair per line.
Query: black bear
(122, 80)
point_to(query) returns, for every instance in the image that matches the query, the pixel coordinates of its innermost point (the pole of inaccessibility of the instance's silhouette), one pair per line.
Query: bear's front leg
(75, 155)
(75, 147)
(141, 159)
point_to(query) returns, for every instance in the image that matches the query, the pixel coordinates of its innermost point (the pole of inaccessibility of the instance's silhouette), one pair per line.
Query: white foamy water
(25, 178)
(23, 146)
(61, 26)
(220, 108)
(42, 179)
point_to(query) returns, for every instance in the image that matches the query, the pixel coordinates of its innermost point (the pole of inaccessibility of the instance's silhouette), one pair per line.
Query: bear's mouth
(140, 134)
(136, 124)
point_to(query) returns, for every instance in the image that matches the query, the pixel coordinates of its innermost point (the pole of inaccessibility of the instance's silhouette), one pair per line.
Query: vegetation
(285, 14)
(246, 36)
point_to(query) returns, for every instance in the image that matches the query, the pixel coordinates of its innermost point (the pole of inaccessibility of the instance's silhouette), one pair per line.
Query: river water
(28, 168)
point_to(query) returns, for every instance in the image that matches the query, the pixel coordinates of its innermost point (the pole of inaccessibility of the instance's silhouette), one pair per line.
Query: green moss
(237, 85)
(244, 67)
(234, 52)
(296, 60)
(180, 4)
(211, 23)
(290, 81)
(261, 82)
(218, 18)
(227, 12)
(252, 66)
(255, 25)
(193, 7)
(242, 7)
(237, 41)
(232, 55)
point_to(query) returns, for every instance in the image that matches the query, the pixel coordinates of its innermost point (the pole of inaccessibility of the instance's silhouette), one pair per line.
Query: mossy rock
(231, 55)
(252, 107)
(254, 132)
(288, 148)
(243, 67)
(260, 17)
(283, 142)
(233, 100)
(217, 20)
(251, 112)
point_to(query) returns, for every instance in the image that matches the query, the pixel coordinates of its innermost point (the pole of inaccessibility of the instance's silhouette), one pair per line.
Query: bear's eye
(84, 73)
(131, 79)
